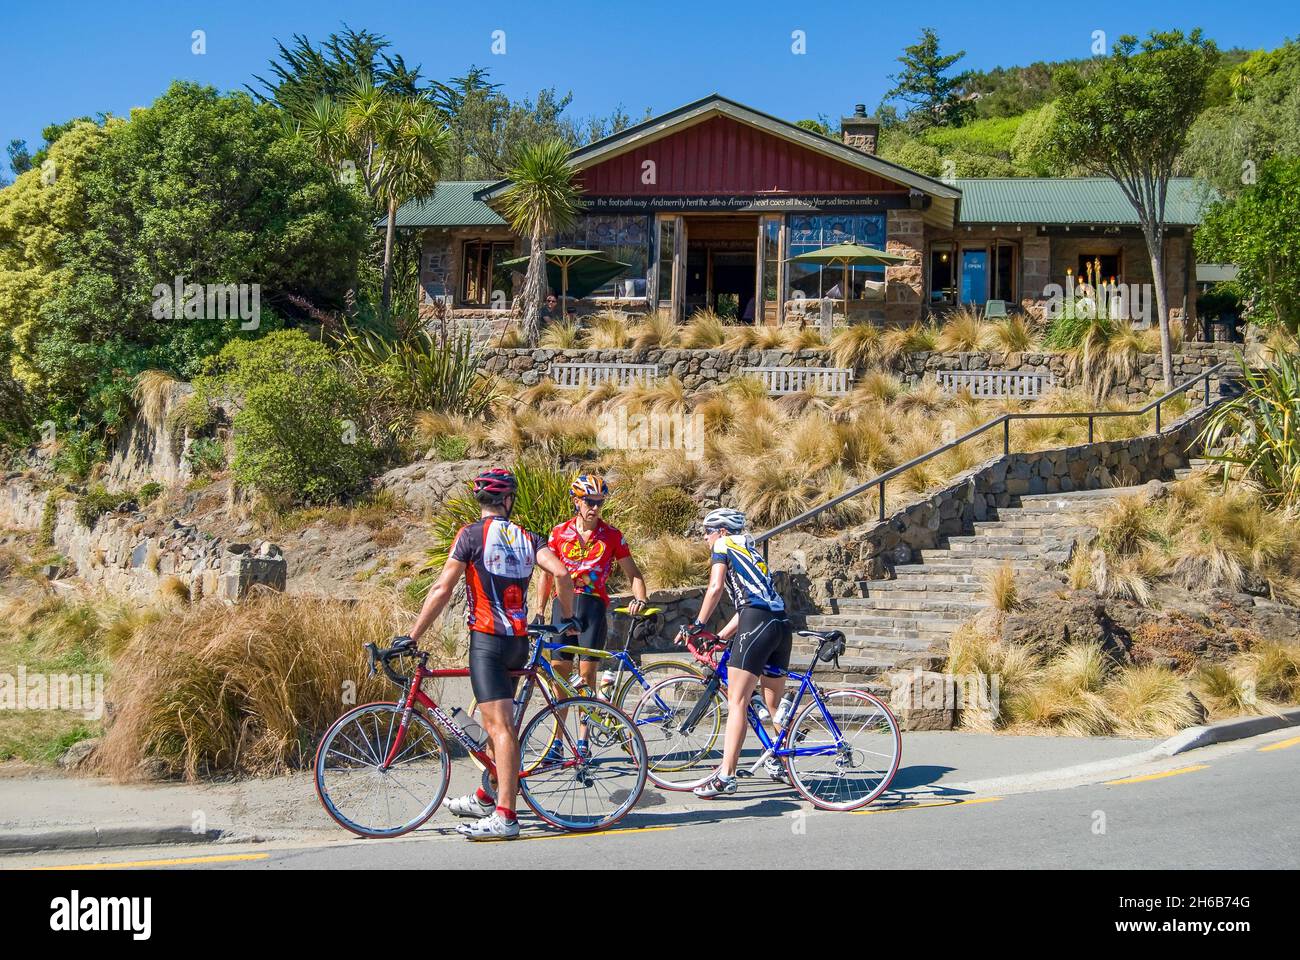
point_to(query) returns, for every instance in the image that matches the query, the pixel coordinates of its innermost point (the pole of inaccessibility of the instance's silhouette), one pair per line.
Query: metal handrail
(1005, 420)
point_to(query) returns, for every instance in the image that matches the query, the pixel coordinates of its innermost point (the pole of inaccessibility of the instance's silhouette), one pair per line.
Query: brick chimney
(860, 131)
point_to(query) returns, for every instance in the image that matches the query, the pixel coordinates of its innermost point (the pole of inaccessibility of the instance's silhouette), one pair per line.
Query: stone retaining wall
(703, 368)
(129, 553)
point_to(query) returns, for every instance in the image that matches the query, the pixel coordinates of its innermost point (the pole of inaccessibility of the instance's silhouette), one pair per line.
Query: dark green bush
(94, 503)
(300, 427)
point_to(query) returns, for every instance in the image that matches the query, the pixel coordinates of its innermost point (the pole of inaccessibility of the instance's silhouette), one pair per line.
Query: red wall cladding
(723, 156)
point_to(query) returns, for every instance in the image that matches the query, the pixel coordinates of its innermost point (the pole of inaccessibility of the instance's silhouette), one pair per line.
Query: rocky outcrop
(128, 553)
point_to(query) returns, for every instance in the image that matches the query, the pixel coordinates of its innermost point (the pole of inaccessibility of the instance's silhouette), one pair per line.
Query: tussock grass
(246, 688)
(1001, 591)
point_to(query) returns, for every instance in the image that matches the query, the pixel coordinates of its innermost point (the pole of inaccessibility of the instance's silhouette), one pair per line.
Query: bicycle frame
(415, 695)
(773, 747)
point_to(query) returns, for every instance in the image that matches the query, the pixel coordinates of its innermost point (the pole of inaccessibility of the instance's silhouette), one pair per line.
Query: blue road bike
(840, 748)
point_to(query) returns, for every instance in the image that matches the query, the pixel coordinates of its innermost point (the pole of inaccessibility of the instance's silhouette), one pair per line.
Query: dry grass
(965, 330)
(245, 689)
(151, 394)
(855, 346)
(561, 335)
(608, 330)
(705, 331)
(655, 330)
(671, 561)
(1001, 591)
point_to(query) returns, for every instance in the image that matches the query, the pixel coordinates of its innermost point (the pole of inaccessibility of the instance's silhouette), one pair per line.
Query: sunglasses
(592, 502)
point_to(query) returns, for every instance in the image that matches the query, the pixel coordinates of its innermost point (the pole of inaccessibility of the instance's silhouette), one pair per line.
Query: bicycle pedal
(744, 773)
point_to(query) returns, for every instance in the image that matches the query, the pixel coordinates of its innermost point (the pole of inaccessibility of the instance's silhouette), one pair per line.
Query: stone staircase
(907, 622)
(1193, 465)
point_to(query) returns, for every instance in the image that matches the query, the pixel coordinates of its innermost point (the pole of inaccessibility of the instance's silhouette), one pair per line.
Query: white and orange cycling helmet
(588, 485)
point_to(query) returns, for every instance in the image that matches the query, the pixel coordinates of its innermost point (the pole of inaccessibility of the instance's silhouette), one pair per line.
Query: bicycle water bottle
(760, 707)
(783, 711)
(476, 734)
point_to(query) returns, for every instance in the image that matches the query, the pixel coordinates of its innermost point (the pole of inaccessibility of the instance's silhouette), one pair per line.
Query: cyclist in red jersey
(496, 558)
(589, 547)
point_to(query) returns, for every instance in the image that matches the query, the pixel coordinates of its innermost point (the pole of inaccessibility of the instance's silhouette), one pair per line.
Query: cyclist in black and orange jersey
(496, 558)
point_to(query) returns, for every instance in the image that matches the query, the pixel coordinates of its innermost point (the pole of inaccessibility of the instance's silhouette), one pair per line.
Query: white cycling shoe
(492, 827)
(470, 806)
(775, 769)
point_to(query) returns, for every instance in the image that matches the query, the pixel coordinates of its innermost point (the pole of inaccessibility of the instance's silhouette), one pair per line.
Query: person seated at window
(552, 309)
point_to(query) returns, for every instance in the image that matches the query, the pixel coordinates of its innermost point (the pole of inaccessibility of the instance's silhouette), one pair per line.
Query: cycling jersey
(589, 561)
(747, 578)
(499, 558)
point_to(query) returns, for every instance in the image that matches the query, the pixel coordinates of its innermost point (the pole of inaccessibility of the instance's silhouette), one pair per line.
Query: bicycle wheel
(370, 801)
(582, 793)
(632, 690)
(681, 759)
(849, 770)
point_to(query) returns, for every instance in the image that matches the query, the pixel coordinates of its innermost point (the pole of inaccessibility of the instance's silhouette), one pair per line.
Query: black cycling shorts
(593, 624)
(763, 641)
(491, 658)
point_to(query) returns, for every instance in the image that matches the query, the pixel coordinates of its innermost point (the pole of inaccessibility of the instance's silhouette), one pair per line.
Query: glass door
(670, 266)
(770, 279)
(974, 276)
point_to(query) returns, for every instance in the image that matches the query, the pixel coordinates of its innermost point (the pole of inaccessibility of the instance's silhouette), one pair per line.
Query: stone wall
(703, 368)
(148, 452)
(820, 566)
(128, 553)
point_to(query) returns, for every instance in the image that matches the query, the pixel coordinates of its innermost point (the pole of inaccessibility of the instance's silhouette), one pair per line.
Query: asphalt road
(1228, 806)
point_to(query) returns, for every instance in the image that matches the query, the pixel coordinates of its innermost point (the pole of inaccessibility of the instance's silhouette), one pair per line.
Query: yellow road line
(1282, 745)
(955, 802)
(599, 833)
(176, 862)
(1159, 776)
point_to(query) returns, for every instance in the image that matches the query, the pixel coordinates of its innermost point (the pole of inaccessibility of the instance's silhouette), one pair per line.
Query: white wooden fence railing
(782, 380)
(996, 384)
(591, 374)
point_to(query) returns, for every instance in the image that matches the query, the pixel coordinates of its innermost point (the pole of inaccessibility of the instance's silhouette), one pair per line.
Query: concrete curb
(91, 838)
(1182, 742)
(1226, 730)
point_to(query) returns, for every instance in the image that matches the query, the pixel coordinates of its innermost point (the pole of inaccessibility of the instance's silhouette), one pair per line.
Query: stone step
(971, 569)
(901, 607)
(884, 627)
(983, 551)
(896, 646)
(1036, 527)
(1072, 496)
(920, 587)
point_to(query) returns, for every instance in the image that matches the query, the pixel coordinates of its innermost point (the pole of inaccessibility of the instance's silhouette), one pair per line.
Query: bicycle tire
(609, 760)
(668, 668)
(677, 761)
(367, 757)
(877, 719)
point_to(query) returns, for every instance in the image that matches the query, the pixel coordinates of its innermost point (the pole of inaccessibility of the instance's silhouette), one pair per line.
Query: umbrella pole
(564, 291)
(846, 293)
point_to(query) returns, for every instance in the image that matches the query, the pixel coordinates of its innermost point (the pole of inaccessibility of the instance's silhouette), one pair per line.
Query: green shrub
(300, 425)
(194, 416)
(94, 503)
(147, 494)
(79, 451)
(451, 447)
(207, 456)
(419, 372)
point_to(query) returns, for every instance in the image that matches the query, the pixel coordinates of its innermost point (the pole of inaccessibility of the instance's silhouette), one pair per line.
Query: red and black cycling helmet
(495, 485)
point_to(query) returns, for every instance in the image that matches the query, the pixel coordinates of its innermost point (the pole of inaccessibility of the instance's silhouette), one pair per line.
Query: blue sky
(62, 59)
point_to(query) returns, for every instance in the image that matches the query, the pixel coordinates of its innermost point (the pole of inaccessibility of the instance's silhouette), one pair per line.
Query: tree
(397, 147)
(20, 160)
(935, 98)
(1129, 122)
(541, 200)
(1259, 231)
(199, 185)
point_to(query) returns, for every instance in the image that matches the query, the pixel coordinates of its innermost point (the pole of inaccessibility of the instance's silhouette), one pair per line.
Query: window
(813, 233)
(1098, 267)
(482, 275)
(943, 274)
(626, 239)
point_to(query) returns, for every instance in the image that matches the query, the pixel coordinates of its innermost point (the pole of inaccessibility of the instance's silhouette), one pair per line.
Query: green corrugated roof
(1090, 200)
(452, 205)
